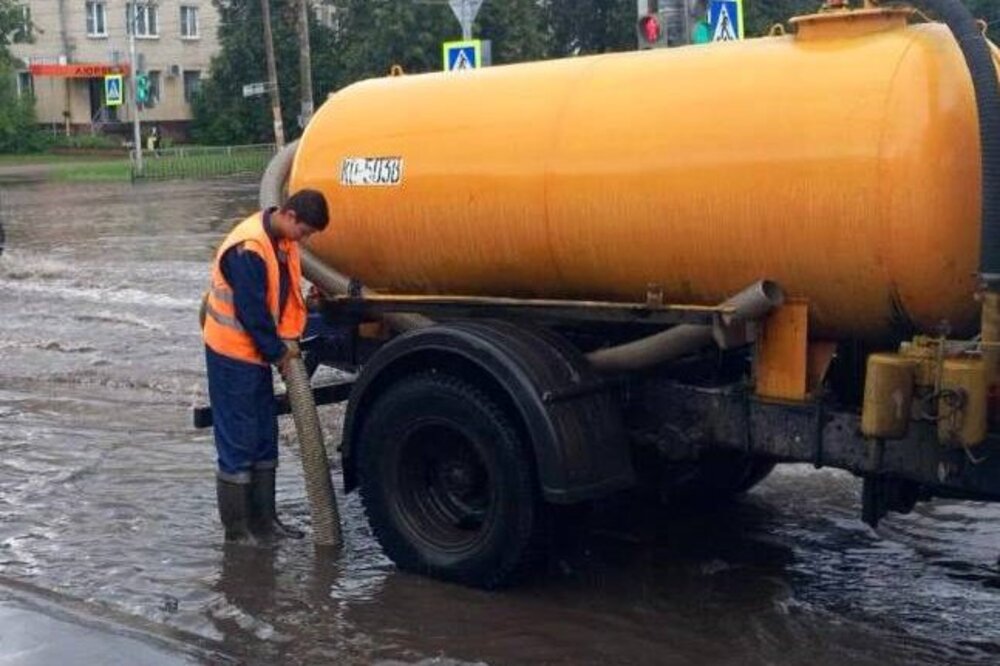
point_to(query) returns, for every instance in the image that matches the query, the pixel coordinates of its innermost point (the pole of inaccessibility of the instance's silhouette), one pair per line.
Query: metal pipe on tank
(752, 303)
(333, 282)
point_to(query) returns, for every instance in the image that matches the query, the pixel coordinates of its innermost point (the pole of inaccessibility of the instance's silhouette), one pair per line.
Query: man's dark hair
(309, 206)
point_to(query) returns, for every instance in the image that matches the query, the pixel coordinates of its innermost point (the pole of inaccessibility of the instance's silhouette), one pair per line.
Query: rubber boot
(234, 511)
(264, 520)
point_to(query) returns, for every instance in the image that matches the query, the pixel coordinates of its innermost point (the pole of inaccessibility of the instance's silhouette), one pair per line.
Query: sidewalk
(37, 632)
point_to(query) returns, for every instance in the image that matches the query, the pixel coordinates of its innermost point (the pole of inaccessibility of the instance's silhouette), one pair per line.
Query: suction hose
(976, 50)
(752, 303)
(315, 464)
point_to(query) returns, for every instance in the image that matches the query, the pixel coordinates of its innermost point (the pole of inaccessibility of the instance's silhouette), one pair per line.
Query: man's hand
(291, 353)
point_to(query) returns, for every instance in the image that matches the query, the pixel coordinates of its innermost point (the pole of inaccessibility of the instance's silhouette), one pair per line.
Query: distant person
(254, 306)
(153, 141)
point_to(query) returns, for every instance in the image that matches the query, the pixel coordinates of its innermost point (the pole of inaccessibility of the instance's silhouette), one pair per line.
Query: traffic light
(142, 91)
(651, 28)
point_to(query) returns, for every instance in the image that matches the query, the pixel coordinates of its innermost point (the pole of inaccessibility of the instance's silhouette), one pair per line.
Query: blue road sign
(113, 87)
(463, 55)
(725, 18)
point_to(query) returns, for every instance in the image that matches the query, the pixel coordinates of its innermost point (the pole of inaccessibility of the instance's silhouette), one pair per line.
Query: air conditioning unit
(175, 70)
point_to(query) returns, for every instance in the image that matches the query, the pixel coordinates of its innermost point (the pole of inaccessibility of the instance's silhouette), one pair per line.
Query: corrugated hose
(315, 463)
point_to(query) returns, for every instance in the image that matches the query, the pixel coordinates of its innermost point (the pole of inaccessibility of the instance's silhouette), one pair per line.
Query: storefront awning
(79, 70)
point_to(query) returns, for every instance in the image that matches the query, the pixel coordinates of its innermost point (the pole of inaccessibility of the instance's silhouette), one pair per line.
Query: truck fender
(570, 416)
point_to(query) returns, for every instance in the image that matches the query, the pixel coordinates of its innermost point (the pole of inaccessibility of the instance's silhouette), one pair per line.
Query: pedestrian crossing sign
(725, 18)
(463, 55)
(113, 95)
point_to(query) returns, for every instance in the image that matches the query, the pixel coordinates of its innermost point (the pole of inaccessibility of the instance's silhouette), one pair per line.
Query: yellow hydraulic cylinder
(889, 382)
(925, 353)
(990, 335)
(962, 411)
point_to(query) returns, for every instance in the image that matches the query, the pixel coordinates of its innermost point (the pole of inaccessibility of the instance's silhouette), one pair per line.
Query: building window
(154, 86)
(97, 25)
(189, 22)
(192, 84)
(25, 84)
(22, 32)
(147, 19)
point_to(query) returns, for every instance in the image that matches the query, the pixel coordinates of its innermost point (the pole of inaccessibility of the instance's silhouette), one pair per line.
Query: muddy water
(107, 500)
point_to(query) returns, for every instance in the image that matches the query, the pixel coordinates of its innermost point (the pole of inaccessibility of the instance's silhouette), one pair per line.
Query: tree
(518, 30)
(590, 26)
(221, 114)
(760, 15)
(18, 130)
(11, 25)
(374, 35)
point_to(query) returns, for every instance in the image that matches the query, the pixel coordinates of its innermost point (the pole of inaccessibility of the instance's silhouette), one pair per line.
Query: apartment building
(66, 48)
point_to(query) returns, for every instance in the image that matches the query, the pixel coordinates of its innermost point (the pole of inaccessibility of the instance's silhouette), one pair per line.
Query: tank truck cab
(517, 359)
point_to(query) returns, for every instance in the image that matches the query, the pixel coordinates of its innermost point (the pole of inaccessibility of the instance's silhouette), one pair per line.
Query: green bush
(86, 141)
(19, 133)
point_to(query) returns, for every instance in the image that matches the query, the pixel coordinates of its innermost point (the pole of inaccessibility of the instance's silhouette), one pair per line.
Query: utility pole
(272, 75)
(305, 63)
(67, 55)
(133, 74)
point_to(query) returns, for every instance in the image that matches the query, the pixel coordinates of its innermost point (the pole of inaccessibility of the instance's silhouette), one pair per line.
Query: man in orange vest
(253, 308)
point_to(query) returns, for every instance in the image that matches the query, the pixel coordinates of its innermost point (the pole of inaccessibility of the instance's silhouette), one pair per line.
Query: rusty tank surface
(846, 168)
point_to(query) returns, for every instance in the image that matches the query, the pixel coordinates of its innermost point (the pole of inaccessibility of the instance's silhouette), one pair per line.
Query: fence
(202, 161)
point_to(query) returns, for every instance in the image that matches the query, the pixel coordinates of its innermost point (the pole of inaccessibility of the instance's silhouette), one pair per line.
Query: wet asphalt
(109, 542)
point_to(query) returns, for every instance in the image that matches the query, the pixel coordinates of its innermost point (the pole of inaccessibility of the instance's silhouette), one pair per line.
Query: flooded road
(107, 502)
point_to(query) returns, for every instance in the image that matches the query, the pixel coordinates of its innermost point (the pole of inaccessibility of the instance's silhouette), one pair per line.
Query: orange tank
(842, 162)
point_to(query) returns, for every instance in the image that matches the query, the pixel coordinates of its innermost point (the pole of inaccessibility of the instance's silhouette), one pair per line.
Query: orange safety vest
(222, 330)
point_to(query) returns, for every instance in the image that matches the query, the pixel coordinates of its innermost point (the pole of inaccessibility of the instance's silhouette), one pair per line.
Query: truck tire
(448, 483)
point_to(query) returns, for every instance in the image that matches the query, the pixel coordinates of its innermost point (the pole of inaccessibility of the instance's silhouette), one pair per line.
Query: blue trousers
(245, 425)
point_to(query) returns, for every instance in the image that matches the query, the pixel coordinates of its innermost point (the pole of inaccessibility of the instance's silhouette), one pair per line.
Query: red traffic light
(650, 28)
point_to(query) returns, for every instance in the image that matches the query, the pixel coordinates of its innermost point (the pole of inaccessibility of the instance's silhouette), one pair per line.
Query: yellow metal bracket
(782, 358)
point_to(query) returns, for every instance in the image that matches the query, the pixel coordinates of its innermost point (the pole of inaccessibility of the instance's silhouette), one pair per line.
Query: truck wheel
(449, 484)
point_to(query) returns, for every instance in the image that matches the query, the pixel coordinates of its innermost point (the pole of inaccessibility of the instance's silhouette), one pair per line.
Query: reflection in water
(107, 495)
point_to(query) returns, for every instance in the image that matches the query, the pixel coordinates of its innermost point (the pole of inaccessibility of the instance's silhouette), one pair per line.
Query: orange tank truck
(841, 162)
(664, 272)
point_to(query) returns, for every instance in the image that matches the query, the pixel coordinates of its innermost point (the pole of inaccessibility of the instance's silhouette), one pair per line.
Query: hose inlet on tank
(976, 50)
(331, 281)
(752, 303)
(315, 463)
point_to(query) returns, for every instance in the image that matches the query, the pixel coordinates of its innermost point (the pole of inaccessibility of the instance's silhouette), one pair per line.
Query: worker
(254, 308)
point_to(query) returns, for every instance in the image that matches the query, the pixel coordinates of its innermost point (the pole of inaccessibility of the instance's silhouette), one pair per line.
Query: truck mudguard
(566, 411)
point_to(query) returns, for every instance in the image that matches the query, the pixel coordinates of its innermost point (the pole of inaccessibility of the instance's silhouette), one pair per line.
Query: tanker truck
(662, 272)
